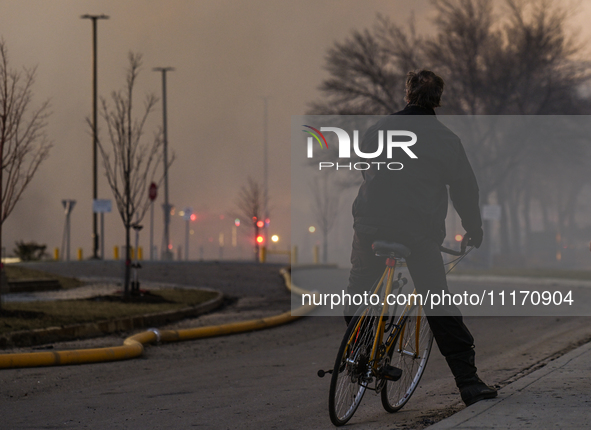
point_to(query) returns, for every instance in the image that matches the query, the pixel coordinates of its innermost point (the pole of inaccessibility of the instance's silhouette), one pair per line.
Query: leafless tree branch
(250, 205)
(23, 139)
(131, 161)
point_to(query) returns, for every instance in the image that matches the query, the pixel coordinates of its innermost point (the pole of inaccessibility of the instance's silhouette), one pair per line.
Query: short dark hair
(423, 88)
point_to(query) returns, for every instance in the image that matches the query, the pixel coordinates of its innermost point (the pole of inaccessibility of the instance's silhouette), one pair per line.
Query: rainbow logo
(316, 136)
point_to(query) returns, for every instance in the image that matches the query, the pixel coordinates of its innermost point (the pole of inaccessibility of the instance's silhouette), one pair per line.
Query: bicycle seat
(381, 248)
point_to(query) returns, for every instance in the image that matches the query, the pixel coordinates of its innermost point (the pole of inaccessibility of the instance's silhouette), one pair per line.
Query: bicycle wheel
(409, 357)
(351, 372)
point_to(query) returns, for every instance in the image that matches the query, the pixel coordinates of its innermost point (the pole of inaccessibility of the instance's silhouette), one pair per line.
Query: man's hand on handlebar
(473, 238)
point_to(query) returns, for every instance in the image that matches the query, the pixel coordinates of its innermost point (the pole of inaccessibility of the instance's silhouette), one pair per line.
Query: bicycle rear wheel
(351, 372)
(409, 353)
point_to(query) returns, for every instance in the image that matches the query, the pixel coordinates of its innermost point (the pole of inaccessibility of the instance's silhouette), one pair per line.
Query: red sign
(153, 191)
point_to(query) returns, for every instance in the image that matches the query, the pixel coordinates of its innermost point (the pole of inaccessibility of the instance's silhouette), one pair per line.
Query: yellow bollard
(140, 253)
(316, 254)
(56, 254)
(294, 255)
(131, 253)
(79, 254)
(262, 254)
(115, 253)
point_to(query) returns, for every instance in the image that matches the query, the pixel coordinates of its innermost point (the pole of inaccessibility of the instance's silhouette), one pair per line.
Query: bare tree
(368, 71)
(325, 207)
(528, 64)
(23, 139)
(520, 58)
(132, 161)
(250, 206)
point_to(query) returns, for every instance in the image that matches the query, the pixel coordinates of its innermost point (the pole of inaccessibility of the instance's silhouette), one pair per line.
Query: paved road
(259, 380)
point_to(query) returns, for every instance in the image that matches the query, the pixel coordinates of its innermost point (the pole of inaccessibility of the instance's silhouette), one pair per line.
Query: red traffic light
(260, 224)
(260, 239)
(193, 217)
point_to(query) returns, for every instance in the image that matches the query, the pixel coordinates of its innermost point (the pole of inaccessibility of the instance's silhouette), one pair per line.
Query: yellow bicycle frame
(373, 358)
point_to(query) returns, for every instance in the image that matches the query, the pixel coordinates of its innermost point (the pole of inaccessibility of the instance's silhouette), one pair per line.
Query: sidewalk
(557, 396)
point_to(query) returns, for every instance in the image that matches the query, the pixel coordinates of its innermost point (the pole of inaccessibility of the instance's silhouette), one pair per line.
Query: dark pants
(426, 268)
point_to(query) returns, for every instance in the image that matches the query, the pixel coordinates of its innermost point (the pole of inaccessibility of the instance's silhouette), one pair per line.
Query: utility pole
(95, 236)
(167, 253)
(265, 172)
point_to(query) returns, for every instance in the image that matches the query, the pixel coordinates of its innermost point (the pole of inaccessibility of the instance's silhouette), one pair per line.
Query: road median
(133, 346)
(100, 328)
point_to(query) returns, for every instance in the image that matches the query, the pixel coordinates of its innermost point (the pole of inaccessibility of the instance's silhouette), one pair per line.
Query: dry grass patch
(19, 273)
(42, 314)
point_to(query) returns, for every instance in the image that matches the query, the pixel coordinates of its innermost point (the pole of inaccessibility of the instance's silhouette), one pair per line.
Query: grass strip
(66, 312)
(20, 273)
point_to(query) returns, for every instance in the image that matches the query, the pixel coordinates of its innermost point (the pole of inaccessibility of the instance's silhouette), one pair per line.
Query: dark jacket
(413, 201)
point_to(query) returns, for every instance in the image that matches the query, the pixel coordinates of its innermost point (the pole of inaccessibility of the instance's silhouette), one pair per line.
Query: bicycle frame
(376, 355)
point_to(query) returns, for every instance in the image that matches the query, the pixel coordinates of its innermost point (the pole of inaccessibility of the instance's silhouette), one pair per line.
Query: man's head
(423, 89)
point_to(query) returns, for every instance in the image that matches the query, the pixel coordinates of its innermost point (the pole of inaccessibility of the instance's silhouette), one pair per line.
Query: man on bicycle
(409, 206)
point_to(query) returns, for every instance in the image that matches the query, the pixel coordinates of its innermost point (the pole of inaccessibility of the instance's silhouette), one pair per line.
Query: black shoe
(476, 392)
(391, 373)
(472, 389)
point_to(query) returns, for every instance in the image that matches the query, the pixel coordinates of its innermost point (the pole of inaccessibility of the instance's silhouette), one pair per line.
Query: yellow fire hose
(133, 346)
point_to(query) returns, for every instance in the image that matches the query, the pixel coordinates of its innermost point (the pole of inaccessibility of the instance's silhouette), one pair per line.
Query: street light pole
(95, 236)
(166, 252)
(266, 172)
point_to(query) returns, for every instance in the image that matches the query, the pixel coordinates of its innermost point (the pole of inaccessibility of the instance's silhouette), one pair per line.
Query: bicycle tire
(350, 370)
(410, 359)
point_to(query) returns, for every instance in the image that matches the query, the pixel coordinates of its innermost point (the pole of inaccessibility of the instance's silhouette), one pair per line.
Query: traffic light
(260, 239)
(260, 224)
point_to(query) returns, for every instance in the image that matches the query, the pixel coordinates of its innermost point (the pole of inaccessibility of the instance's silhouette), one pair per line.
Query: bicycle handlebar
(459, 253)
(452, 252)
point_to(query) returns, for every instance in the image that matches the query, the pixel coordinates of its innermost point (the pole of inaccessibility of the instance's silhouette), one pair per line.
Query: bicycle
(382, 351)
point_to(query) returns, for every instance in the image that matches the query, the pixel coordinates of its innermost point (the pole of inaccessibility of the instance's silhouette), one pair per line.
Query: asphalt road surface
(258, 380)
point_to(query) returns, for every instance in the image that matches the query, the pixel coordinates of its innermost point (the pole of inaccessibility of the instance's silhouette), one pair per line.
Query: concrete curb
(508, 391)
(100, 328)
(520, 280)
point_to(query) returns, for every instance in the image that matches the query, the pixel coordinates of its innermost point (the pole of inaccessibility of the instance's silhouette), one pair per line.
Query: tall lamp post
(95, 237)
(166, 252)
(266, 171)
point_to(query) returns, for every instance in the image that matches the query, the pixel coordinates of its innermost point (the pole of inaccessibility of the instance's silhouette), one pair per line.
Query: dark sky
(227, 55)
